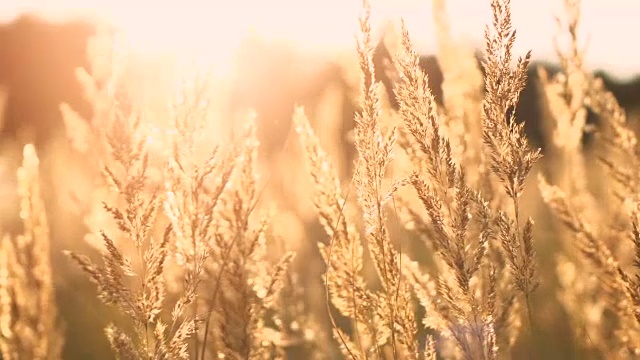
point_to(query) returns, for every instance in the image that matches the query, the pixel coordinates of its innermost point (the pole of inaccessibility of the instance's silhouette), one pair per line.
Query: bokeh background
(328, 26)
(269, 55)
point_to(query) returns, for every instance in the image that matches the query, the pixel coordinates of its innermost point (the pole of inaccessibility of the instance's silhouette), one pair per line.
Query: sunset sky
(329, 25)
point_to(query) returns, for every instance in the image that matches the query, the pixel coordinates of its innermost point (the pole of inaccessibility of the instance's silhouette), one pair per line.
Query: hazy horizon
(328, 26)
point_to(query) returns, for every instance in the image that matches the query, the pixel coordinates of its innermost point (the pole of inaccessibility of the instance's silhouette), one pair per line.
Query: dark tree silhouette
(37, 67)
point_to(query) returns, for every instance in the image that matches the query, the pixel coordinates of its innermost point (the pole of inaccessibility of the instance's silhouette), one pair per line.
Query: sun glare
(214, 29)
(185, 32)
(172, 40)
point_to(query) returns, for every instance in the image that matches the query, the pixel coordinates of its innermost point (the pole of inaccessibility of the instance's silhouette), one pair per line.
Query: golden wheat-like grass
(426, 247)
(28, 316)
(598, 243)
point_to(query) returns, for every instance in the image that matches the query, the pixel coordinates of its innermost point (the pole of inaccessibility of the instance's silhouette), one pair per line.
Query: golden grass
(197, 264)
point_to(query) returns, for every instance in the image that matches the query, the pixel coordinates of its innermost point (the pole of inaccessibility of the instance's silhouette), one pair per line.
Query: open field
(172, 193)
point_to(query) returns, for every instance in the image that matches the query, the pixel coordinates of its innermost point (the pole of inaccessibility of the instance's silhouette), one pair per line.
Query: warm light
(179, 29)
(327, 26)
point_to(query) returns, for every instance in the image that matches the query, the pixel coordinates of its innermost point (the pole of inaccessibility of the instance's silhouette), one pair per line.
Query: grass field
(364, 220)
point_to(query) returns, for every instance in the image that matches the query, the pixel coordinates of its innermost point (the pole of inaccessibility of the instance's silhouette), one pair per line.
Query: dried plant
(245, 285)
(136, 286)
(451, 205)
(187, 217)
(602, 301)
(427, 247)
(28, 315)
(461, 297)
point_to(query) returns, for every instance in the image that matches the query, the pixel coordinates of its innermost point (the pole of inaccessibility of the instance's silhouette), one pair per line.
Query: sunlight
(179, 30)
(213, 29)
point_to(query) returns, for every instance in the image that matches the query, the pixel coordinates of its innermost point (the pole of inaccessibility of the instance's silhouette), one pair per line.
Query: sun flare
(214, 31)
(329, 25)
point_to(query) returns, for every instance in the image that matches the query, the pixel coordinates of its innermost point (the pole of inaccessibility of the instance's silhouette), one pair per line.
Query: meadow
(371, 217)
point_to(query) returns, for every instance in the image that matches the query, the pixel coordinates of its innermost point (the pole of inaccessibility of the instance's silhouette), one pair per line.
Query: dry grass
(193, 257)
(29, 319)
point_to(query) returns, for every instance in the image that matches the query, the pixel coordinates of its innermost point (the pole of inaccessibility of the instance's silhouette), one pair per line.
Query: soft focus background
(326, 26)
(267, 55)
